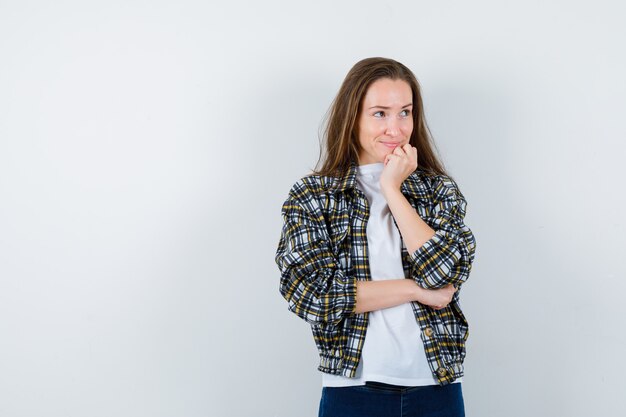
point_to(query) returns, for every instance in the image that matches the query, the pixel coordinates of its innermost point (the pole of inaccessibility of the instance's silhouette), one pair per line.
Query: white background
(146, 148)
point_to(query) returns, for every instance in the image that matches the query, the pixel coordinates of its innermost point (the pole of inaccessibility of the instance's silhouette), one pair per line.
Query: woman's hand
(398, 166)
(437, 299)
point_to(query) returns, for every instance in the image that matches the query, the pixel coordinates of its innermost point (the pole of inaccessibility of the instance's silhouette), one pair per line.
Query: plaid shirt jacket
(322, 253)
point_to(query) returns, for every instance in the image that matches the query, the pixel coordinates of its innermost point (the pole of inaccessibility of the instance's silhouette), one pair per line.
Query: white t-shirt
(393, 351)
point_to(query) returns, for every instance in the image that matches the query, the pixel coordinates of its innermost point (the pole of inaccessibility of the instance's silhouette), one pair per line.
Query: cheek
(408, 127)
(377, 129)
(369, 131)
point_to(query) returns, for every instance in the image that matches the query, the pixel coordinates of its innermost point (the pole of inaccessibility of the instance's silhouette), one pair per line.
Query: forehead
(388, 92)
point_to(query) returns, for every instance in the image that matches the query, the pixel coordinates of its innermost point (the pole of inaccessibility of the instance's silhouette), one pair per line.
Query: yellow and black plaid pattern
(322, 253)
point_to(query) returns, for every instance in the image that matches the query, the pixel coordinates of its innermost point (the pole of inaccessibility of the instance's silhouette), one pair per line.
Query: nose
(393, 127)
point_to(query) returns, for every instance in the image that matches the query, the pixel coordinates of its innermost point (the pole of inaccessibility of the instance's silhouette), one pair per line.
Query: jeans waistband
(385, 386)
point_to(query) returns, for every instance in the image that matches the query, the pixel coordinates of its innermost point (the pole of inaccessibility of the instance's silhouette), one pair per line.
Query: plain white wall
(146, 148)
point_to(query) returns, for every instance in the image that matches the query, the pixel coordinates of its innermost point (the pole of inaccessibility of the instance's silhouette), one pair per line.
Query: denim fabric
(376, 399)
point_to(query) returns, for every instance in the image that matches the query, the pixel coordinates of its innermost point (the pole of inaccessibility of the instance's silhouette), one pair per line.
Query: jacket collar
(413, 185)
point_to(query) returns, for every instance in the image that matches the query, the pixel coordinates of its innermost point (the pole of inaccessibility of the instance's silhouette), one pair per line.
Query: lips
(391, 145)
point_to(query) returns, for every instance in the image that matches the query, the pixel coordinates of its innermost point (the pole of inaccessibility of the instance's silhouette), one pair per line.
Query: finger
(391, 157)
(400, 153)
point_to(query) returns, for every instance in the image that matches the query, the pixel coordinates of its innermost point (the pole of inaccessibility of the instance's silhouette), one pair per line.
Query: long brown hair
(341, 145)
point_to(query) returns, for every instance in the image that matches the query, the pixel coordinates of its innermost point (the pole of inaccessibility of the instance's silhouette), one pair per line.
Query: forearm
(415, 232)
(376, 295)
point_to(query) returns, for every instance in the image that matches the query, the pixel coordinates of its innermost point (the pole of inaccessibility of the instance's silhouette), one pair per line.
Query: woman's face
(385, 119)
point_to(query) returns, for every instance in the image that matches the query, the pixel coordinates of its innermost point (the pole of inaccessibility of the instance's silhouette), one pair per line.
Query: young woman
(373, 253)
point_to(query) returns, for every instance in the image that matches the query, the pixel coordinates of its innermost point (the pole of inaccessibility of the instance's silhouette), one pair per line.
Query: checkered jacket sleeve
(315, 287)
(447, 257)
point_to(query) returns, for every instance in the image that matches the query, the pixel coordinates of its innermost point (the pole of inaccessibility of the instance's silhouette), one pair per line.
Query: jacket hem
(336, 365)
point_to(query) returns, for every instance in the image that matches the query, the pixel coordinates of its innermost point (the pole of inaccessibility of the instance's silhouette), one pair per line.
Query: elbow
(327, 302)
(432, 279)
(442, 261)
(320, 312)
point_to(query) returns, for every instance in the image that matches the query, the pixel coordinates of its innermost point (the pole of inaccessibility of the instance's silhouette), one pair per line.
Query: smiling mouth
(391, 144)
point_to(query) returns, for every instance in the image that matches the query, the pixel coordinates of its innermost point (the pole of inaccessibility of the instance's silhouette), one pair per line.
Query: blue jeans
(376, 399)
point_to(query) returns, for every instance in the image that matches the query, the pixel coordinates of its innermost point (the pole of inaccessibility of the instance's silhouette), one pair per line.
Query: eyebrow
(386, 108)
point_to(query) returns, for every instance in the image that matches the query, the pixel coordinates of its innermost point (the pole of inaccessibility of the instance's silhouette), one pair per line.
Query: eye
(405, 112)
(379, 114)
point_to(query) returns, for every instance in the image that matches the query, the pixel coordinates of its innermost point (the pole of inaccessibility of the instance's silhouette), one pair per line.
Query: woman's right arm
(376, 295)
(312, 281)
